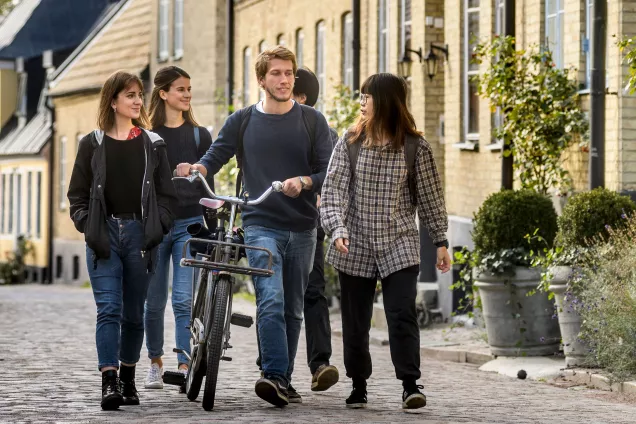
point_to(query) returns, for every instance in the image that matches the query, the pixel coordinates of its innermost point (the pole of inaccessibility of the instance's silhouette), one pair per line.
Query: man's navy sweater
(275, 148)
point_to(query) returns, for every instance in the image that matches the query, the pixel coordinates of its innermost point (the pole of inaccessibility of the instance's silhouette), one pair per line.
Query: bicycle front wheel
(215, 338)
(197, 366)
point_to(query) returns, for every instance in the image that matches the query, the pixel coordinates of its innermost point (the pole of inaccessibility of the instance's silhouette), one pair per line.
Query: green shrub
(588, 214)
(506, 219)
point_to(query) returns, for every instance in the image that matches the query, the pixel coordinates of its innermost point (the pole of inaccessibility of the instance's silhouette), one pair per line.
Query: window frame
(404, 24)
(347, 50)
(62, 171)
(468, 73)
(321, 68)
(383, 36)
(558, 17)
(300, 47)
(247, 65)
(163, 36)
(177, 27)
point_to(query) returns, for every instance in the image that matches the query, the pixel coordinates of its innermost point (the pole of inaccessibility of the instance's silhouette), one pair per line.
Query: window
(383, 36)
(18, 202)
(178, 29)
(10, 208)
(587, 46)
(76, 267)
(59, 266)
(62, 168)
(29, 194)
(300, 41)
(320, 64)
(405, 27)
(347, 40)
(497, 118)
(280, 40)
(247, 56)
(554, 30)
(38, 207)
(3, 190)
(164, 10)
(470, 97)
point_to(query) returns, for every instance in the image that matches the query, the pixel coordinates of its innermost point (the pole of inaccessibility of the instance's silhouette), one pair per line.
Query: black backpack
(410, 152)
(309, 118)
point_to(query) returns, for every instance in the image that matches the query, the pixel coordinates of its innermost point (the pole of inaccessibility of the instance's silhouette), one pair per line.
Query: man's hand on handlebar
(184, 169)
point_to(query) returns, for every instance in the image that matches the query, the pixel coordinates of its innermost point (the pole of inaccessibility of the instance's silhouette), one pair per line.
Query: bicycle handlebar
(276, 186)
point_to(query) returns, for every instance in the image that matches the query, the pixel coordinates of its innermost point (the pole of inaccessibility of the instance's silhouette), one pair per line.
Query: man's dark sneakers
(111, 392)
(358, 398)
(128, 389)
(293, 395)
(412, 398)
(324, 377)
(272, 391)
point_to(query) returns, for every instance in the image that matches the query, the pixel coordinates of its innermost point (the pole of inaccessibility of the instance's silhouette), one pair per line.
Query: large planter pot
(569, 319)
(517, 324)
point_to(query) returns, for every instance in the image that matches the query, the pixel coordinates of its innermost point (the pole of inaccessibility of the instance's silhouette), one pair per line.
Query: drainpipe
(355, 10)
(597, 96)
(507, 175)
(229, 45)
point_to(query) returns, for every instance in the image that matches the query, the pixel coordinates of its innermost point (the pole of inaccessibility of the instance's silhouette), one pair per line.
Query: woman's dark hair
(163, 80)
(391, 117)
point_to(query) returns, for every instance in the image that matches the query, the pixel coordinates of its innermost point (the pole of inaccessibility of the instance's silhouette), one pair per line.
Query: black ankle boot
(128, 389)
(111, 392)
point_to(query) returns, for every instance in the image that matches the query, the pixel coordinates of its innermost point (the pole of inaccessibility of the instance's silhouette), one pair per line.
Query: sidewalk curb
(446, 355)
(598, 381)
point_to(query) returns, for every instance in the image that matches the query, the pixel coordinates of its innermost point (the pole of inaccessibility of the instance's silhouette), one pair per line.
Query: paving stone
(49, 374)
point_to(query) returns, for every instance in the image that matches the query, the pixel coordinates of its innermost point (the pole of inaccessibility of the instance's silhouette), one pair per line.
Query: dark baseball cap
(307, 84)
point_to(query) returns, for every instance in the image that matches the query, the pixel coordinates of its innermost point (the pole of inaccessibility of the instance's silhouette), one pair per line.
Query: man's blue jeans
(119, 286)
(280, 298)
(171, 247)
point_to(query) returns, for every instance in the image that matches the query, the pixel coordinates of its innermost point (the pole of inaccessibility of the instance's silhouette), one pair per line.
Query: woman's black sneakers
(358, 398)
(412, 398)
(111, 392)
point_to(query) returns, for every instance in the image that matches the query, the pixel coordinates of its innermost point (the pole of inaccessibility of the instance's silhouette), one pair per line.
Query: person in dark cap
(316, 311)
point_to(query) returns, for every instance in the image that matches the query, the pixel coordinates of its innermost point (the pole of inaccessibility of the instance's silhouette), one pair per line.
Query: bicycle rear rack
(211, 265)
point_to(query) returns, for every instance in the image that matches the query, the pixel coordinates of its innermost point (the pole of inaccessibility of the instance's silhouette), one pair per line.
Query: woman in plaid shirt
(371, 218)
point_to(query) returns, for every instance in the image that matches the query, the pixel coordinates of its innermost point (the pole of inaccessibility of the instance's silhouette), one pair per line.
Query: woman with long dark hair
(121, 197)
(369, 203)
(172, 118)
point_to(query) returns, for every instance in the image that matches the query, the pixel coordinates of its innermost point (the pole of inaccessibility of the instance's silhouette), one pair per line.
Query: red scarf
(134, 132)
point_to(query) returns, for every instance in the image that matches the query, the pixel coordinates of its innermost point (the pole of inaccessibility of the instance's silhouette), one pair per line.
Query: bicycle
(211, 313)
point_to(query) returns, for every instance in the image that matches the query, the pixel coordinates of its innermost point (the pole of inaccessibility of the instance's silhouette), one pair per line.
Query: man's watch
(303, 184)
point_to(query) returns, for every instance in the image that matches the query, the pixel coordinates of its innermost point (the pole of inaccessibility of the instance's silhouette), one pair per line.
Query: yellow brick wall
(204, 56)
(75, 115)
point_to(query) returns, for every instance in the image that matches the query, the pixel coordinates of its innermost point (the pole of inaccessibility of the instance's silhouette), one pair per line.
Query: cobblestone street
(49, 374)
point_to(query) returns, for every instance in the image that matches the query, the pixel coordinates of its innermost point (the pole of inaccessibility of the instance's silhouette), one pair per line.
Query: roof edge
(61, 71)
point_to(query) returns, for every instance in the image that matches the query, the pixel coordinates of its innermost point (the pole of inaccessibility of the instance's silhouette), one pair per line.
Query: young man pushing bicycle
(278, 144)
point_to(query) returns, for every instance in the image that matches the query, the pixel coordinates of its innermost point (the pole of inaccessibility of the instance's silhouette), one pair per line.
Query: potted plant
(587, 216)
(518, 320)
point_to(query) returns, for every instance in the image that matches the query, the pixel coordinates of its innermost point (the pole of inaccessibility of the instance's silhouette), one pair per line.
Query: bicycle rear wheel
(197, 360)
(217, 316)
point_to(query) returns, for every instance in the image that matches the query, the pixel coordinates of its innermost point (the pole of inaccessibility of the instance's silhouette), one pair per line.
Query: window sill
(467, 145)
(494, 147)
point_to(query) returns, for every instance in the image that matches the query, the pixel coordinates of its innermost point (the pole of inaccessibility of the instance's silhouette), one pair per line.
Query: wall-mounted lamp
(404, 65)
(432, 60)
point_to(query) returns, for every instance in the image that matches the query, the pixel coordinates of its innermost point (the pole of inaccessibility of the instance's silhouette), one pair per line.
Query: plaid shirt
(374, 211)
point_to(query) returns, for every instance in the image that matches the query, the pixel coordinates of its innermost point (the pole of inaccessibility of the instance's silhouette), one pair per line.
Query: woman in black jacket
(172, 118)
(121, 197)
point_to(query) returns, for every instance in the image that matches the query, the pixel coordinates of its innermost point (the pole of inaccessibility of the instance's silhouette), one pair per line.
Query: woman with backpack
(121, 197)
(369, 203)
(172, 118)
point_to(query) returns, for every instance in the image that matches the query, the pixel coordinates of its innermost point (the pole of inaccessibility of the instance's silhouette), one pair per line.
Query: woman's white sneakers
(154, 378)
